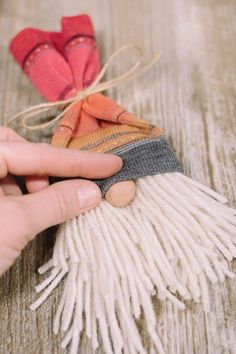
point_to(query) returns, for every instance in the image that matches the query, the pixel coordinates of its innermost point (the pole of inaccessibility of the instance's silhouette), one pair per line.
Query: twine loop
(97, 86)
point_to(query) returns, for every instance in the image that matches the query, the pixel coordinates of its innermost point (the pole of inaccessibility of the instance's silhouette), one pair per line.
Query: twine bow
(97, 86)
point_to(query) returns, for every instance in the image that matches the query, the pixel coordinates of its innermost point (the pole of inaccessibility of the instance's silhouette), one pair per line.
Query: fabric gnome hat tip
(74, 26)
(56, 38)
(83, 23)
(77, 44)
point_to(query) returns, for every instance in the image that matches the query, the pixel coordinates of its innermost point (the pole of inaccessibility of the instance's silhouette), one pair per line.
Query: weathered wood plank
(191, 93)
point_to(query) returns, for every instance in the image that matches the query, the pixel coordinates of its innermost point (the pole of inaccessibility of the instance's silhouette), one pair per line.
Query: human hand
(24, 216)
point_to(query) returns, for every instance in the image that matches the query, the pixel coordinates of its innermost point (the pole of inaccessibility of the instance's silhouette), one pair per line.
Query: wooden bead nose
(121, 193)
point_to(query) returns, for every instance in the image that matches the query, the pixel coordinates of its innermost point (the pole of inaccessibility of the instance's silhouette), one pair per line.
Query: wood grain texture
(191, 93)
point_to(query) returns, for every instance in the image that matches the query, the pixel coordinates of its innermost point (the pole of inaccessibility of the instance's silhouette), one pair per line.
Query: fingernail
(88, 196)
(117, 162)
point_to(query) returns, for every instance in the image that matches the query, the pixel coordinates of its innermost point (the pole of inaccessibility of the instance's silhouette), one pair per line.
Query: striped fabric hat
(99, 124)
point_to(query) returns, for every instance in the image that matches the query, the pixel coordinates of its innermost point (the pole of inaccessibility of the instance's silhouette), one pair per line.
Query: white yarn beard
(175, 235)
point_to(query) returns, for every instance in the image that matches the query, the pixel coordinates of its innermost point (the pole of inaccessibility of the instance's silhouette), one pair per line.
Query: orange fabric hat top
(99, 124)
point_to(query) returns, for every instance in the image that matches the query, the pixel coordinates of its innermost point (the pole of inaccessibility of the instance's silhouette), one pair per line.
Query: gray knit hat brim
(145, 158)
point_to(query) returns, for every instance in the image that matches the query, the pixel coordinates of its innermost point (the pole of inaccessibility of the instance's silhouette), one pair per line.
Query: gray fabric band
(141, 159)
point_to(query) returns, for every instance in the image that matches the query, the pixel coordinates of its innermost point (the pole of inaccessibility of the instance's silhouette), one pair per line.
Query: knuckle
(82, 165)
(3, 166)
(18, 208)
(43, 153)
(63, 204)
(75, 168)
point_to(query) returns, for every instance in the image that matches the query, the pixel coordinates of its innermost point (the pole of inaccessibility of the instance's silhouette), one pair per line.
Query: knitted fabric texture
(141, 145)
(143, 158)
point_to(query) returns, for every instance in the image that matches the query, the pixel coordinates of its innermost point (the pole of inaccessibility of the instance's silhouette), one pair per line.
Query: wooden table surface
(191, 93)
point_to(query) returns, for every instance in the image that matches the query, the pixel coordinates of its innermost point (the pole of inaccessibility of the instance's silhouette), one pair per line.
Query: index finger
(24, 158)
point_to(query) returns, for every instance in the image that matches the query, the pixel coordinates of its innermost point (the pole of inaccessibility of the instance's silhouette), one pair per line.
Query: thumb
(57, 203)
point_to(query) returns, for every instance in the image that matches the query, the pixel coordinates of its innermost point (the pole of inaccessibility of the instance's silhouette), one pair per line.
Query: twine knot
(97, 86)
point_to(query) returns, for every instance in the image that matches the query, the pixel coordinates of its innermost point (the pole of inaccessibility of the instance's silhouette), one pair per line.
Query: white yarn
(174, 237)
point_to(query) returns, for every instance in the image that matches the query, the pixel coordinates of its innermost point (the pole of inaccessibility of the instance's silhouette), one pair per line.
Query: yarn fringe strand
(174, 237)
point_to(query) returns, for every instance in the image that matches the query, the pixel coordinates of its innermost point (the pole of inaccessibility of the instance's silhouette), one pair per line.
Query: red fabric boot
(48, 70)
(78, 45)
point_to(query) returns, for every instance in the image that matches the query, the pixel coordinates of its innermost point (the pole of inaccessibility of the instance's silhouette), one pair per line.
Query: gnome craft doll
(156, 232)
(57, 78)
